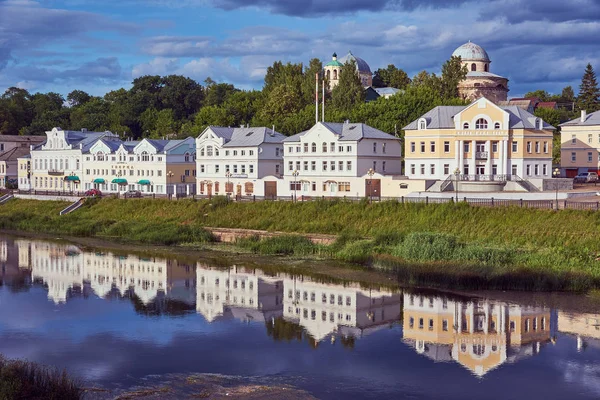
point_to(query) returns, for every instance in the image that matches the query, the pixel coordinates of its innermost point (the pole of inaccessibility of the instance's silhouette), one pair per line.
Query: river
(122, 322)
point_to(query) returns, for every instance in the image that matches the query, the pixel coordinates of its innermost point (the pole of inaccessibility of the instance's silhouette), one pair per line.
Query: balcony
(481, 155)
(56, 172)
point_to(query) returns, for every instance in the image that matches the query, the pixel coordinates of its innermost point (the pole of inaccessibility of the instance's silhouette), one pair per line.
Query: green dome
(334, 63)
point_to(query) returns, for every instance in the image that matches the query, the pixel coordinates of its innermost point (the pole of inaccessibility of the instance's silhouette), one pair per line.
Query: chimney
(583, 115)
(83, 130)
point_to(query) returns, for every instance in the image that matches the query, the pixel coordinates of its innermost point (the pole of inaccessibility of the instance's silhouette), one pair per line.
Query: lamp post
(556, 174)
(456, 173)
(227, 175)
(169, 176)
(295, 175)
(370, 172)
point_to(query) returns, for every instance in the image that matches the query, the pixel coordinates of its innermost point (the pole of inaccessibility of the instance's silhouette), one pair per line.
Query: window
(235, 152)
(589, 156)
(514, 169)
(313, 148)
(383, 148)
(412, 169)
(306, 147)
(494, 169)
(235, 169)
(332, 147)
(313, 165)
(529, 147)
(294, 185)
(432, 147)
(515, 146)
(422, 169)
(445, 325)
(290, 150)
(573, 139)
(411, 322)
(412, 147)
(341, 165)
(473, 67)
(374, 165)
(528, 169)
(290, 166)
(497, 125)
(446, 169)
(349, 149)
(466, 125)
(340, 149)
(573, 156)
(544, 169)
(305, 165)
(202, 168)
(537, 147)
(466, 145)
(481, 123)
(332, 165)
(297, 165)
(383, 166)
(324, 165)
(324, 147)
(590, 138)
(349, 166)
(145, 156)
(374, 147)
(251, 168)
(536, 169)
(422, 124)
(545, 147)
(446, 147)
(494, 147)
(420, 323)
(422, 147)
(251, 152)
(432, 169)
(277, 169)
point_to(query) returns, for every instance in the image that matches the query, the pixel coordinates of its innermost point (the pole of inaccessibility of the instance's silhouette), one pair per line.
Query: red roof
(547, 104)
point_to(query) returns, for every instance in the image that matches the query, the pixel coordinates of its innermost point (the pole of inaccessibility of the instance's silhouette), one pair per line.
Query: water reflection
(478, 334)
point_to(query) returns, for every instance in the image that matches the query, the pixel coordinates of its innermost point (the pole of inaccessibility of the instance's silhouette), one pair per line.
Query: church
(480, 82)
(334, 67)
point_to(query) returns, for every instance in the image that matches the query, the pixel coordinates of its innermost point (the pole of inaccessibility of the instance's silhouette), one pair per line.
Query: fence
(478, 202)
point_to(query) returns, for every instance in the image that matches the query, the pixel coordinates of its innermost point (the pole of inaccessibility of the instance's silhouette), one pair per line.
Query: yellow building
(487, 143)
(479, 335)
(580, 144)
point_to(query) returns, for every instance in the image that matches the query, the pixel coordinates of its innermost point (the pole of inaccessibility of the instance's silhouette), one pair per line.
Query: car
(586, 177)
(133, 193)
(93, 193)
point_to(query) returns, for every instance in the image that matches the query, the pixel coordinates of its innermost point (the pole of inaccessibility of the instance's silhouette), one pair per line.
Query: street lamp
(556, 174)
(456, 173)
(370, 172)
(295, 175)
(170, 174)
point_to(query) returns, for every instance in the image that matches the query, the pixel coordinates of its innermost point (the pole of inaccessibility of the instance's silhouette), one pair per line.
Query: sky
(102, 45)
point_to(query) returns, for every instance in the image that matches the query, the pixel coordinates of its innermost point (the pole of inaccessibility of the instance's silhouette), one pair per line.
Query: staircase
(6, 198)
(72, 207)
(524, 183)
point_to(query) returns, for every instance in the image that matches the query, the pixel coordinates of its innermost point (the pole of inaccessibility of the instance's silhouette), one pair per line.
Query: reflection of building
(12, 268)
(62, 267)
(585, 326)
(479, 335)
(324, 309)
(239, 293)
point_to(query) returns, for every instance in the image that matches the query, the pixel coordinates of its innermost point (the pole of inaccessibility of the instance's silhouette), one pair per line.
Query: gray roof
(349, 132)
(22, 138)
(442, 117)
(361, 65)
(590, 119)
(247, 137)
(471, 52)
(482, 74)
(386, 91)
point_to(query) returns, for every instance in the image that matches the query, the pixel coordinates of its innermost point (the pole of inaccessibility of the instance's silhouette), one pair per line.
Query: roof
(13, 154)
(361, 65)
(471, 52)
(547, 104)
(348, 132)
(386, 91)
(442, 117)
(22, 138)
(246, 137)
(590, 119)
(483, 74)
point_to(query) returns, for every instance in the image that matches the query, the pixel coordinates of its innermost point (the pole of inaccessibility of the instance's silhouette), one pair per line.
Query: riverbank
(438, 244)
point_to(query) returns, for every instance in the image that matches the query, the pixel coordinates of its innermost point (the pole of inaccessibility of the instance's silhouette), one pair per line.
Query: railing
(56, 172)
(6, 197)
(72, 207)
(483, 178)
(481, 155)
(446, 183)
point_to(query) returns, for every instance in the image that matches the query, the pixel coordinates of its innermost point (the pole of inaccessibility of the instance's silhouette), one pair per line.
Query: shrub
(426, 246)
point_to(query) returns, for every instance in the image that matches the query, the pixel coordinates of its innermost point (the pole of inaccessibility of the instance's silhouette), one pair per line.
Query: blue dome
(361, 65)
(471, 52)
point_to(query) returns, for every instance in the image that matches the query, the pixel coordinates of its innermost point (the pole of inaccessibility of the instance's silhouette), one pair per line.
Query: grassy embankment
(446, 244)
(26, 380)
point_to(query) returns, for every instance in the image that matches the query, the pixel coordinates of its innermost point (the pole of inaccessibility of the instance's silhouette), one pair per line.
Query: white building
(334, 159)
(240, 161)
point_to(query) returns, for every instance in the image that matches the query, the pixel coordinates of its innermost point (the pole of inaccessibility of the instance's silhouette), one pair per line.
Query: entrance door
(238, 191)
(209, 189)
(480, 170)
(571, 172)
(270, 190)
(373, 188)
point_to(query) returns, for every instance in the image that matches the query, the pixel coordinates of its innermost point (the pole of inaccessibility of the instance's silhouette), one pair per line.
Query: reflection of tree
(160, 305)
(17, 285)
(282, 330)
(348, 341)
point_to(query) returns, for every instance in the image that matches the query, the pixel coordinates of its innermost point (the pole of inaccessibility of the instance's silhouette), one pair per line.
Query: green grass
(452, 239)
(27, 380)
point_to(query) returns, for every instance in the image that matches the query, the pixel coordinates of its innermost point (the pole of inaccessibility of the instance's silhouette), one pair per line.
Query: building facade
(238, 161)
(480, 82)
(580, 144)
(335, 159)
(483, 141)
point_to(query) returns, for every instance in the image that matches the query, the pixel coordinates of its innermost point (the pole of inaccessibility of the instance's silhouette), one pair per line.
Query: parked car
(93, 193)
(586, 177)
(133, 193)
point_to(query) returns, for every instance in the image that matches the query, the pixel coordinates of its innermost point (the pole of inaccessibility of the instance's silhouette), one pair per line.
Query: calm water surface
(115, 319)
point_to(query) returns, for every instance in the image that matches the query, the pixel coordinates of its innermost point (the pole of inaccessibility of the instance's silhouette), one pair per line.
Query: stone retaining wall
(229, 235)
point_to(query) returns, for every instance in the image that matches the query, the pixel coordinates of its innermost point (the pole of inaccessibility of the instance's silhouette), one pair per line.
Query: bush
(426, 246)
(279, 245)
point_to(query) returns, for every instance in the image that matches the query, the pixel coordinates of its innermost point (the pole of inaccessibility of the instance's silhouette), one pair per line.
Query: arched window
(249, 187)
(335, 74)
(314, 147)
(422, 124)
(209, 151)
(486, 67)
(539, 124)
(473, 67)
(497, 125)
(145, 156)
(466, 125)
(216, 152)
(187, 156)
(328, 75)
(324, 147)
(481, 124)
(99, 156)
(202, 152)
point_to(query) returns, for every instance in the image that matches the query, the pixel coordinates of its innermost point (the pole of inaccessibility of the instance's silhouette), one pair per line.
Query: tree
(453, 72)
(391, 77)
(165, 125)
(349, 91)
(78, 98)
(428, 80)
(567, 95)
(17, 104)
(215, 94)
(542, 95)
(315, 66)
(589, 95)
(282, 103)
(92, 115)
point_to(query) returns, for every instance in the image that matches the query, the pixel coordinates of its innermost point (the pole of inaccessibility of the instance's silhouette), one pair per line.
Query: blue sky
(101, 45)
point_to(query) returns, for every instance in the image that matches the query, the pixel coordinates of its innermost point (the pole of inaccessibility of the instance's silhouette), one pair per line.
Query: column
(457, 156)
(472, 170)
(486, 325)
(488, 163)
(501, 168)
(471, 311)
(507, 167)
(461, 155)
